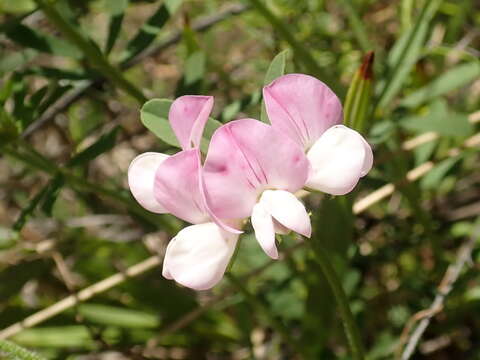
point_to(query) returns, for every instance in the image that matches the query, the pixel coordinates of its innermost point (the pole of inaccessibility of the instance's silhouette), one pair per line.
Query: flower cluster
(252, 169)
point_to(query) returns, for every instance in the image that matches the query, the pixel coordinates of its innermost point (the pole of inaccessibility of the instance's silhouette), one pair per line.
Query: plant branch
(202, 24)
(91, 52)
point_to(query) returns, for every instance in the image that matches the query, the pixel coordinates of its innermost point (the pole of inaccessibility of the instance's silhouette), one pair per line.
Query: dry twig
(446, 285)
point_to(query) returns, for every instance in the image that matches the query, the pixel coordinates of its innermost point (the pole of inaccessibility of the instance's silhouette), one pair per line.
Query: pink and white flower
(253, 170)
(198, 255)
(309, 112)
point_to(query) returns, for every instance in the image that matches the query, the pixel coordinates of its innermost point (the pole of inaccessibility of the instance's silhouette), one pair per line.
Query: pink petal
(302, 107)
(284, 207)
(199, 255)
(188, 116)
(244, 158)
(177, 186)
(141, 178)
(338, 159)
(262, 223)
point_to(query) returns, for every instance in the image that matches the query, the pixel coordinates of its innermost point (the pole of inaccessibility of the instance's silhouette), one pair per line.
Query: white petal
(338, 159)
(279, 228)
(262, 223)
(199, 255)
(287, 210)
(141, 178)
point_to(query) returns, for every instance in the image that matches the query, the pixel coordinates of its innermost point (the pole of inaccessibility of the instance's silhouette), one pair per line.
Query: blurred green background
(73, 77)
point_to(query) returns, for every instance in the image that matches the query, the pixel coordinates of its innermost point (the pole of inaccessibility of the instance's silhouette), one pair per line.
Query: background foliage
(73, 76)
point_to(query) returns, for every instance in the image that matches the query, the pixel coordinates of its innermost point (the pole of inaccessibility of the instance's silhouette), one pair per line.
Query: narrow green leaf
(15, 60)
(405, 53)
(102, 145)
(37, 40)
(56, 337)
(151, 29)
(439, 119)
(435, 176)
(52, 189)
(29, 209)
(195, 68)
(12, 351)
(116, 8)
(91, 51)
(275, 70)
(58, 74)
(453, 79)
(118, 316)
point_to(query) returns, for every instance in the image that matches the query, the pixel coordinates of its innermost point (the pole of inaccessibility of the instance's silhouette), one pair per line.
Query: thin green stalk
(259, 306)
(91, 52)
(303, 54)
(351, 329)
(14, 352)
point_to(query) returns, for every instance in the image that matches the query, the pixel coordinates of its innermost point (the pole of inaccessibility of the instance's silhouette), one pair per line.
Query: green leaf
(116, 8)
(118, 316)
(56, 337)
(439, 119)
(405, 53)
(15, 60)
(105, 143)
(12, 351)
(17, 6)
(453, 79)
(151, 29)
(154, 116)
(231, 110)
(102, 145)
(434, 177)
(275, 70)
(195, 68)
(28, 210)
(40, 41)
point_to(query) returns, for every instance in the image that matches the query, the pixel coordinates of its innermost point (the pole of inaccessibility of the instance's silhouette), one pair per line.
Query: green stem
(14, 352)
(263, 309)
(351, 329)
(91, 52)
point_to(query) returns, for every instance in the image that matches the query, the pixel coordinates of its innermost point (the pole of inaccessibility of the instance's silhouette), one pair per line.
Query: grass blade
(150, 29)
(405, 53)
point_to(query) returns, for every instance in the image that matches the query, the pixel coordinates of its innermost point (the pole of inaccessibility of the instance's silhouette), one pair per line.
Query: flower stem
(351, 329)
(90, 50)
(14, 352)
(259, 306)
